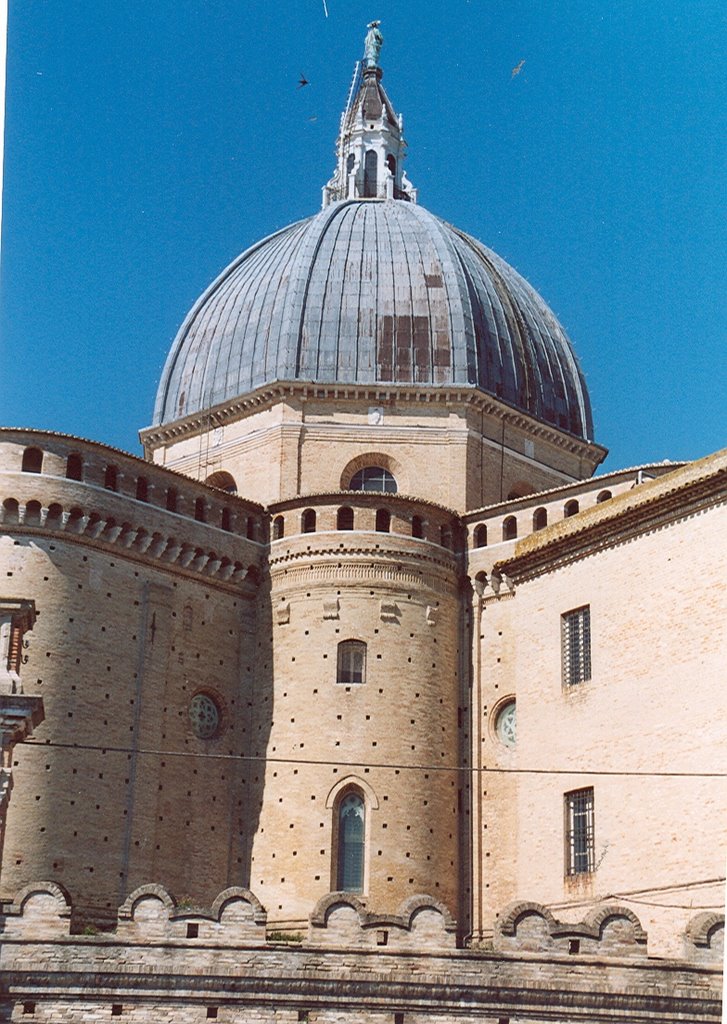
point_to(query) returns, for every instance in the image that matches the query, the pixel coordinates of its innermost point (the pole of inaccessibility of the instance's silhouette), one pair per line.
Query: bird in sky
(303, 81)
(517, 69)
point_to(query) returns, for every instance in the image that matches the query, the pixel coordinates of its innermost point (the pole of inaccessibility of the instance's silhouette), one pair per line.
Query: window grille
(579, 834)
(351, 662)
(576, 645)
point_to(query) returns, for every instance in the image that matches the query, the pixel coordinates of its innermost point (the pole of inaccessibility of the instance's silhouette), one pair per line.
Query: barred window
(351, 662)
(579, 835)
(575, 627)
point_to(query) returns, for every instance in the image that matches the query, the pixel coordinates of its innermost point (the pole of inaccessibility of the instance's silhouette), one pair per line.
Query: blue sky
(147, 143)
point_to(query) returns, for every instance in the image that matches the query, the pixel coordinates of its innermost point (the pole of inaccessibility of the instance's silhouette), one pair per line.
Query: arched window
(250, 528)
(370, 174)
(540, 518)
(111, 478)
(344, 519)
(383, 520)
(222, 481)
(308, 521)
(445, 536)
(200, 511)
(351, 839)
(509, 528)
(481, 536)
(351, 662)
(417, 526)
(32, 513)
(142, 489)
(350, 161)
(391, 163)
(278, 528)
(55, 512)
(11, 510)
(571, 508)
(74, 467)
(226, 519)
(604, 496)
(171, 499)
(373, 478)
(32, 460)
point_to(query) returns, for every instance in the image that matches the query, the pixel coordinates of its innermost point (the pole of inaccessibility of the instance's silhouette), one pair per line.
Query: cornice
(226, 412)
(631, 516)
(157, 549)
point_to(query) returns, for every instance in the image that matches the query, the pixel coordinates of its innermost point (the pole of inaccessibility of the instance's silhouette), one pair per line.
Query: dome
(372, 292)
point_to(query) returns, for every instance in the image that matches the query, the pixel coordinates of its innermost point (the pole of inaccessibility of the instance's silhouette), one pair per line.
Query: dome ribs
(373, 291)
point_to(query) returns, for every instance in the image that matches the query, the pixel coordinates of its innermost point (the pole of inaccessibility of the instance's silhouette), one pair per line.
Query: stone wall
(165, 962)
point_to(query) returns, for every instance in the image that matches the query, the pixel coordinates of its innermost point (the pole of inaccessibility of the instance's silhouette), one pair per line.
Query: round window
(506, 724)
(204, 714)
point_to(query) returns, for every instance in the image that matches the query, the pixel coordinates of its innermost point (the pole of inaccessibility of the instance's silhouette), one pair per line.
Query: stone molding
(374, 394)
(157, 547)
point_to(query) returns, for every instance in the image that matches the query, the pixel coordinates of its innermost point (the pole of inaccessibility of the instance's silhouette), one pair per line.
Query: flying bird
(303, 81)
(517, 69)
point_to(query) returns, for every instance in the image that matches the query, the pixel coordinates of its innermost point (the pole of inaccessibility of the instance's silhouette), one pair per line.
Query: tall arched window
(351, 839)
(373, 478)
(540, 518)
(509, 528)
(278, 527)
(171, 499)
(417, 526)
(481, 536)
(371, 164)
(308, 521)
(142, 489)
(32, 460)
(344, 519)
(74, 467)
(110, 479)
(200, 510)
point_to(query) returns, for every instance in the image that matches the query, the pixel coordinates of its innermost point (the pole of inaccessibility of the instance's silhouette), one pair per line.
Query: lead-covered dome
(374, 291)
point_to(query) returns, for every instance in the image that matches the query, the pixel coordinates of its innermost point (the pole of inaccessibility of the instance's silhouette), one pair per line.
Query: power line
(467, 769)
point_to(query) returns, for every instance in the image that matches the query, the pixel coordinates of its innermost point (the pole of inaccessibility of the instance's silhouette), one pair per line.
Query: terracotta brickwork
(459, 448)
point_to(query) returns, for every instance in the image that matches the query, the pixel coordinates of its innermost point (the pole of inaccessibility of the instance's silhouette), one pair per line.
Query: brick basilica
(358, 696)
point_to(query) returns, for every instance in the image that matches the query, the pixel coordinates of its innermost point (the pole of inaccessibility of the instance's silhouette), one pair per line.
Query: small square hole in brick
(211, 1012)
(29, 1007)
(303, 1015)
(192, 931)
(382, 937)
(116, 1009)
(574, 945)
(398, 1018)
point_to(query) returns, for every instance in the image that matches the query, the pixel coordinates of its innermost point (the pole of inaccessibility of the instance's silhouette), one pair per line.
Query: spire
(370, 146)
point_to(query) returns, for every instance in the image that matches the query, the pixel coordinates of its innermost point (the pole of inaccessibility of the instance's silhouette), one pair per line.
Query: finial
(372, 45)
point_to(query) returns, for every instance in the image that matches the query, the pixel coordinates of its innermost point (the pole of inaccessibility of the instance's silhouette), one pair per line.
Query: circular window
(506, 724)
(204, 714)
